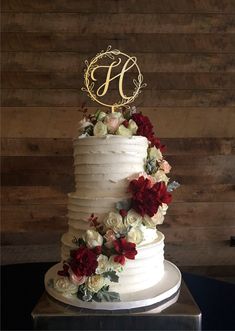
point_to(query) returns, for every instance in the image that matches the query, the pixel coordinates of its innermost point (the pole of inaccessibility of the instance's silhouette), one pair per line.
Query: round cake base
(160, 296)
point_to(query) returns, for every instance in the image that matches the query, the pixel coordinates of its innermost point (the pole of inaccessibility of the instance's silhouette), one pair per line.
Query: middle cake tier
(102, 166)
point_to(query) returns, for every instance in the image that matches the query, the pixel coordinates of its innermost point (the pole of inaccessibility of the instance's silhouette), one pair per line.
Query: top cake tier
(102, 165)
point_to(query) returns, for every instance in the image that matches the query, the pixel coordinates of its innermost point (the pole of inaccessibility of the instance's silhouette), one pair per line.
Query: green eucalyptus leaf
(111, 275)
(107, 296)
(124, 204)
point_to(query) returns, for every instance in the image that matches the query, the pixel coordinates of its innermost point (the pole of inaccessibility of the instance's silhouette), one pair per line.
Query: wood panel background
(186, 51)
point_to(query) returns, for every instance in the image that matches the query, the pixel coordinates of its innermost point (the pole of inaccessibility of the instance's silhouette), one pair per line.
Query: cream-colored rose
(92, 238)
(102, 264)
(155, 153)
(123, 131)
(100, 129)
(101, 116)
(135, 235)
(77, 280)
(160, 176)
(149, 222)
(95, 283)
(63, 285)
(113, 121)
(163, 208)
(158, 218)
(164, 165)
(132, 126)
(114, 222)
(114, 265)
(132, 218)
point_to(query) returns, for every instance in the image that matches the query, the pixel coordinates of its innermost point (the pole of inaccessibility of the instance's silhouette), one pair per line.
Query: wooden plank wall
(186, 50)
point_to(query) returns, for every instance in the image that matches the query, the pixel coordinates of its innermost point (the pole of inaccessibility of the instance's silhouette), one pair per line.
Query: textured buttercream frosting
(102, 168)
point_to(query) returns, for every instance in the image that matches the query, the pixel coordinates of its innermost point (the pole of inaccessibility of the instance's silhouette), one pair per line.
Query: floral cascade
(103, 250)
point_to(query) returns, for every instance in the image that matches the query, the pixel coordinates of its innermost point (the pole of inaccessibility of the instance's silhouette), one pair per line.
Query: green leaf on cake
(78, 241)
(89, 130)
(150, 166)
(111, 275)
(84, 294)
(172, 186)
(124, 204)
(105, 295)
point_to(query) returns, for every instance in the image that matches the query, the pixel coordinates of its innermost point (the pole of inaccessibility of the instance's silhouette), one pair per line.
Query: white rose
(95, 283)
(92, 238)
(100, 129)
(148, 233)
(63, 285)
(132, 218)
(132, 126)
(160, 176)
(114, 222)
(115, 266)
(123, 131)
(135, 235)
(155, 153)
(102, 264)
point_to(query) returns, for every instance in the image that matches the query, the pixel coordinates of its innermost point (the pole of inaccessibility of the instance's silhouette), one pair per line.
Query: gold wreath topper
(108, 60)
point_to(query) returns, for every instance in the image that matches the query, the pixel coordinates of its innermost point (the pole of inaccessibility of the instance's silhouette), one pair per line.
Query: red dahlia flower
(146, 198)
(124, 249)
(145, 128)
(83, 261)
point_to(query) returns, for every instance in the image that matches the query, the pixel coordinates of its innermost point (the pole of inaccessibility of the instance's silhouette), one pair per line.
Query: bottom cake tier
(164, 293)
(139, 274)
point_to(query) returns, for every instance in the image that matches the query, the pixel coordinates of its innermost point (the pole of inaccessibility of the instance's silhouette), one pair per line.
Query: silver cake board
(163, 294)
(181, 314)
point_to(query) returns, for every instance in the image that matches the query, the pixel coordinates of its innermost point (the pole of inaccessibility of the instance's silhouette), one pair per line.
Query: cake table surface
(50, 314)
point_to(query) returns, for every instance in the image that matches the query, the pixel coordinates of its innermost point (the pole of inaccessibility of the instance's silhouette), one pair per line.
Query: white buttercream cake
(103, 169)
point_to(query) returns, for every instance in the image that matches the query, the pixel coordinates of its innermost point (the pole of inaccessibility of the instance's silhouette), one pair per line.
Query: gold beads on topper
(111, 61)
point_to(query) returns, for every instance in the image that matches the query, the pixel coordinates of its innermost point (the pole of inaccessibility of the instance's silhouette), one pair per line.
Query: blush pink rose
(109, 237)
(164, 165)
(77, 280)
(112, 121)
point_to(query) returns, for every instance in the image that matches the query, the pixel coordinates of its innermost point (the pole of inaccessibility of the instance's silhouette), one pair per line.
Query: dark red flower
(124, 249)
(97, 250)
(125, 123)
(65, 271)
(123, 212)
(146, 198)
(120, 259)
(157, 143)
(145, 128)
(83, 261)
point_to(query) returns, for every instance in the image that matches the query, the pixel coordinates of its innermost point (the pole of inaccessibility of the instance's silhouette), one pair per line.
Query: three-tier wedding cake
(112, 253)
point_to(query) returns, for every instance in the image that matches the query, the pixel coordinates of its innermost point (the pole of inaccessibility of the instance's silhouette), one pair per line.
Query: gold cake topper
(112, 65)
